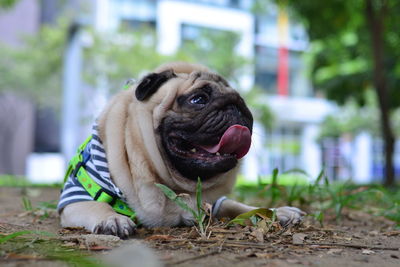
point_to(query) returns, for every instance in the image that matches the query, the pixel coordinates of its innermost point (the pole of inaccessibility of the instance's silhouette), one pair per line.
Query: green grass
(21, 181)
(284, 179)
(46, 246)
(198, 213)
(321, 196)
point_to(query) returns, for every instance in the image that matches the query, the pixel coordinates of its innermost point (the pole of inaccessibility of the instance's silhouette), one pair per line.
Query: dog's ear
(151, 82)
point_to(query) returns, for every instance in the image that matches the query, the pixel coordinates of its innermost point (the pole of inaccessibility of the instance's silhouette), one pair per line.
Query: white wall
(310, 150)
(362, 158)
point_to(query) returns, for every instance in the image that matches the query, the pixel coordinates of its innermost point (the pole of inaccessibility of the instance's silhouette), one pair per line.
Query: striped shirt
(97, 167)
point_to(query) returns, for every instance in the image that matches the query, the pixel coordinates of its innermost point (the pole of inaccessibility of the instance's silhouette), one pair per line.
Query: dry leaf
(245, 218)
(358, 236)
(99, 248)
(237, 236)
(207, 207)
(298, 238)
(342, 238)
(265, 255)
(159, 237)
(263, 225)
(258, 235)
(367, 252)
(392, 233)
(293, 261)
(15, 256)
(334, 251)
(374, 233)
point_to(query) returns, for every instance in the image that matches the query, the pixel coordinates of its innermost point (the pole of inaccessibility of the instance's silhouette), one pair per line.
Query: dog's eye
(199, 99)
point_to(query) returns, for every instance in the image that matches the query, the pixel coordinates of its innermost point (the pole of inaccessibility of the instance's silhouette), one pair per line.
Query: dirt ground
(359, 239)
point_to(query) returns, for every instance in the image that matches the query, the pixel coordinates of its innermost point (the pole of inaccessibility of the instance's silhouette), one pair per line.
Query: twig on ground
(195, 257)
(349, 246)
(224, 243)
(256, 245)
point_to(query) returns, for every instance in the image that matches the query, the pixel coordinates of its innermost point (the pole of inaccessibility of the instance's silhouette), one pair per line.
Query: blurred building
(17, 115)
(30, 134)
(276, 45)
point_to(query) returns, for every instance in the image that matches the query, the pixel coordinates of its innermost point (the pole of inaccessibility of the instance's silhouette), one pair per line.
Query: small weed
(275, 192)
(26, 203)
(320, 196)
(43, 209)
(199, 214)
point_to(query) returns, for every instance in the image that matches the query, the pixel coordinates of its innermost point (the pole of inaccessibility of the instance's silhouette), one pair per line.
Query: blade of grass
(27, 204)
(6, 238)
(275, 173)
(199, 196)
(175, 198)
(242, 218)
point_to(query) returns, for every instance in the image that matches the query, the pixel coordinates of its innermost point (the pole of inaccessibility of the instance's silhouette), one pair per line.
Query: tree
(34, 70)
(7, 3)
(220, 47)
(129, 53)
(355, 47)
(30, 76)
(122, 55)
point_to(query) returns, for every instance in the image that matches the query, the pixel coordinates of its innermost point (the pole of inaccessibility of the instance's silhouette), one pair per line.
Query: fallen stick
(349, 246)
(255, 245)
(224, 244)
(195, 257)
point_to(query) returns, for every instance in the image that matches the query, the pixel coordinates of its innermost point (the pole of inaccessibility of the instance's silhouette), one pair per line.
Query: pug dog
(176, 124)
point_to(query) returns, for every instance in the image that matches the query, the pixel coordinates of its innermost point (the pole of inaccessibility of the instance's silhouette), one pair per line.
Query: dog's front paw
(116, 224)
(289, 215)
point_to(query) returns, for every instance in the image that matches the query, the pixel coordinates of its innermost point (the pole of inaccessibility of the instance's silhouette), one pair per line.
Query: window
(266, 72)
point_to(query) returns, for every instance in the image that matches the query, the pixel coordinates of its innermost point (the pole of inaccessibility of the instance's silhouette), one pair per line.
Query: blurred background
(322, 77)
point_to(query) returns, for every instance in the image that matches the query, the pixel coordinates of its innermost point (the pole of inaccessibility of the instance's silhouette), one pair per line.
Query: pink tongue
(236, 140)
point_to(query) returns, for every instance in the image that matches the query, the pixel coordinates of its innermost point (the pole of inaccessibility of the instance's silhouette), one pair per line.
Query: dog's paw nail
(289, 216)
(117, 225)
(113, 230)
(126, 232)
(97, 229)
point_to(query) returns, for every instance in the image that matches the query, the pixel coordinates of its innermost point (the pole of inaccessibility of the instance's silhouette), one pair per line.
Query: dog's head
(203, 126)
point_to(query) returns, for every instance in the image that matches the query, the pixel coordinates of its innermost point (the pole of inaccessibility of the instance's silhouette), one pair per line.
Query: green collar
(76, 168)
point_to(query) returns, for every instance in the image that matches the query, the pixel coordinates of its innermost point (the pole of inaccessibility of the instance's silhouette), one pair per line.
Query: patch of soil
(358, 239)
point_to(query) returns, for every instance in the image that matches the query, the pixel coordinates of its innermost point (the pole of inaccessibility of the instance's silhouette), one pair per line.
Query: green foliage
(34, 70)
(7, 3)
(252, 217)
(353, 119)
(42, 210)
(255, 98)
(341, 47)
(354, 50)
(220, 50)
(321, 196)
(16, 181)
(119, 56)
(129, 53)
(45, 245)
(5, 238)
(198, 214)
(26, 202)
